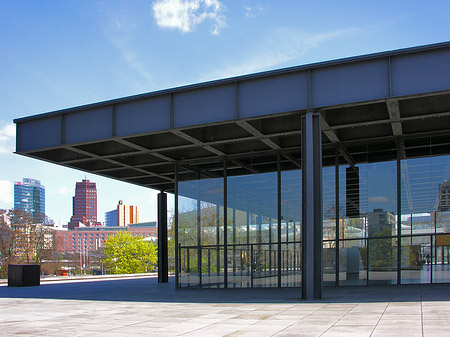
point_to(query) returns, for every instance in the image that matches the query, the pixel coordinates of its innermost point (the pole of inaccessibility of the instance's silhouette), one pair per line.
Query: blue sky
(56, 54)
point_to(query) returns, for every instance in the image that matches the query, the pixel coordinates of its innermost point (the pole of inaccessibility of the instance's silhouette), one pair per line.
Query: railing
(424, 258)
(248, 265)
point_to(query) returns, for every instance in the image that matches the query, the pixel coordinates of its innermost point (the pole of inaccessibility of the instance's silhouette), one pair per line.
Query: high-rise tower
(444, 196)
(29, 196)
(84, 203)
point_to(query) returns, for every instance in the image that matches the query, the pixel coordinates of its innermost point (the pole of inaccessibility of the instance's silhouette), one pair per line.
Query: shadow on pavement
(145, 289)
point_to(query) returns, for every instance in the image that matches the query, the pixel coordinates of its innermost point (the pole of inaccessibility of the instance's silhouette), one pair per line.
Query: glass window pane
(353, 262)
(291, 217)
(252, 230)
(416, 260)
(200, 232)
(382, 261)
(425, 219)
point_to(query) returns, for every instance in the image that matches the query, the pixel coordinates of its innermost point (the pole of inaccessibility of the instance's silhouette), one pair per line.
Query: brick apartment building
(91, 238)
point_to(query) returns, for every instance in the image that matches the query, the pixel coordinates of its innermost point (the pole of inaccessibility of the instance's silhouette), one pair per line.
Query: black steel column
(163, 253)
(279, 219)
(399, 215)
(225, 224)
(218, 241)
(199, 236)
(234, 240)
(312, 207)
(336, 195)
(270, 244)
(177, 250)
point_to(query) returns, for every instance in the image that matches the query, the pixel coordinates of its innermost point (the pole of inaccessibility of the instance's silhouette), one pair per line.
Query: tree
(171, 240)
(6, 244)
(126, 254)
(23, 241)
(381, 252)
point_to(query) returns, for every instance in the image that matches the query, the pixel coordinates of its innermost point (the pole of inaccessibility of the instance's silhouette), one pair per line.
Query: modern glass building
(333, 173)
(29, 195)
(111, 218)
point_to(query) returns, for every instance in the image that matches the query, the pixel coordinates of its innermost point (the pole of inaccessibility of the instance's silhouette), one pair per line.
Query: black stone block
(24, 275)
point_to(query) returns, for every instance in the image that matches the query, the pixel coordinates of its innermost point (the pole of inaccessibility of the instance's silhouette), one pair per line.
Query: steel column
(279, 219)
(225, 224)
(399, 215)
(163, 253)
(177, 251)
(312, 239)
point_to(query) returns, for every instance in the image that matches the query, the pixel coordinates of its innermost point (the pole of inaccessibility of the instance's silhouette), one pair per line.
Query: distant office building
(92, 238)
(381, 222)
(29, 196)
(84, 204)
(444, 196)
(111, 218)
(123, 215)
(127, 214)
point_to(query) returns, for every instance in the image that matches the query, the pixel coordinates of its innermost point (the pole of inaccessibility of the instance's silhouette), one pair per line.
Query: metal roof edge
(359, 58)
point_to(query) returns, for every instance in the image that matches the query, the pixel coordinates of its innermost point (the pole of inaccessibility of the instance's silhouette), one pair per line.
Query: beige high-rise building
(126, 214)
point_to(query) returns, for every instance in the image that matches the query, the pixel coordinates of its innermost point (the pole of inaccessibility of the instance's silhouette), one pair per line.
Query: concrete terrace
(132, 306)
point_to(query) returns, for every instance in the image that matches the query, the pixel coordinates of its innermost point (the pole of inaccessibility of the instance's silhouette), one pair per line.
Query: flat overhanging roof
(369, 104)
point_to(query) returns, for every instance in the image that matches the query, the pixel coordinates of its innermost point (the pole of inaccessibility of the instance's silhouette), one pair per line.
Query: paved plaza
(141, 306)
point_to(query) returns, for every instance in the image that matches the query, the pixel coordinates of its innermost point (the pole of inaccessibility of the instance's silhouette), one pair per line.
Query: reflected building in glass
(444, 196)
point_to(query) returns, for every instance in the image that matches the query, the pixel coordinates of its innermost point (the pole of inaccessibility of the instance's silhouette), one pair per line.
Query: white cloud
(134, 62)
(63, 190)
(7, 136)
(253, 12)
(184, 15)
(121, 32)
(281, 46)
(379, 199)
(6, 191)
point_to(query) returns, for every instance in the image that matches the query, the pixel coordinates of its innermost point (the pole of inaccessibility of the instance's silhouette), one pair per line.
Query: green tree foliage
(381, 252)
(171, 241)
(125, 254)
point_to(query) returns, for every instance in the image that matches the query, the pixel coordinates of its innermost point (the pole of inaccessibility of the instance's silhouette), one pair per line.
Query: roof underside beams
(369, 104)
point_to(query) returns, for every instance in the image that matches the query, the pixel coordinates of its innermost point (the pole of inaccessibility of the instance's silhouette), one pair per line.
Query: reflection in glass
(291, 217)
(425, 189)
(368, 208)
(416, 260)
(252, 248)
(257, 252)
(200, 232)
(329, 225)
(382, 254)
(353, 263)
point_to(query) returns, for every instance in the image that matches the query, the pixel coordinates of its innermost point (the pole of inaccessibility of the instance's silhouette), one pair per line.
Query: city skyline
(63, 54)
(70, 195)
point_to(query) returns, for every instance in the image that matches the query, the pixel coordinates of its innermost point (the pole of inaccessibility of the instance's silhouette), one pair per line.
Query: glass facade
(29, 196)
(244, 229)
(425, 219)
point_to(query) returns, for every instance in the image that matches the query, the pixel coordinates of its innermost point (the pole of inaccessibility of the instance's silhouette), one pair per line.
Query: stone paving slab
(141, 306)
